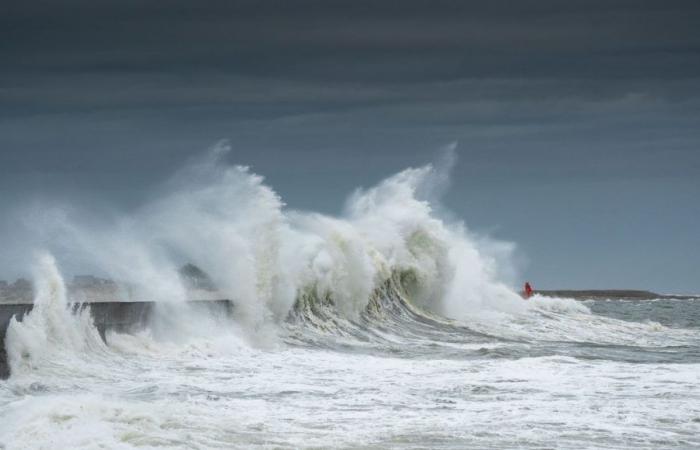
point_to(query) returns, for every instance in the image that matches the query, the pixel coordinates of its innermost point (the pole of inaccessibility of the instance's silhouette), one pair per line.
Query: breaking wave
(53, 332)
(228, 222)
(389, 273)
(392, 319)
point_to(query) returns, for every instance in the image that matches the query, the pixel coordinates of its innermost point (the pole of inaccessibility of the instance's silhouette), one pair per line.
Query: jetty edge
(120, 316)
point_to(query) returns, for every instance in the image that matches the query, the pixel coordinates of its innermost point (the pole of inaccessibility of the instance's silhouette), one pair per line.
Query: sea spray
(52, 328)
(59, 334)
(354, 300)
(226, 220)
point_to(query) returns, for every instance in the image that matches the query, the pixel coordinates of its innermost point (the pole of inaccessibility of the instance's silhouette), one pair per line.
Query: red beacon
(527, 291)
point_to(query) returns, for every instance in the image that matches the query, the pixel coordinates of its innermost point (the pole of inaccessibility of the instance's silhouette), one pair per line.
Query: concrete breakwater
(117, 316)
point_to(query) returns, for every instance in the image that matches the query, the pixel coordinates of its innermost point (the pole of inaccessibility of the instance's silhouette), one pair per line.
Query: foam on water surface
(386, 327)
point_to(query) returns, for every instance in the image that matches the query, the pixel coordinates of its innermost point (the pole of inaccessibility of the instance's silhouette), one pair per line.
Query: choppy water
(624, 375)
(340, 336)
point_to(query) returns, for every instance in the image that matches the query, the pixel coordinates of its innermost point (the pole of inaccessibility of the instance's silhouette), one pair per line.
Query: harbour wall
(118, 316)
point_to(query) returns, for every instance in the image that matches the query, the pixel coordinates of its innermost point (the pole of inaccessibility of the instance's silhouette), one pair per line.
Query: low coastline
(612, 294)
(88, 289)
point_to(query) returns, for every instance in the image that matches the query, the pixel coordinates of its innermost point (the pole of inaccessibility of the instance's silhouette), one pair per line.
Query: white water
(451, 357)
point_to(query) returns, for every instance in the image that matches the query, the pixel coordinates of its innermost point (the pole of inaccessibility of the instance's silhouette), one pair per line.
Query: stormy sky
(577, 122)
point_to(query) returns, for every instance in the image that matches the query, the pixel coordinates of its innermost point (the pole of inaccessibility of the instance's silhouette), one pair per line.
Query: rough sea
(559, 374)
(386, 327)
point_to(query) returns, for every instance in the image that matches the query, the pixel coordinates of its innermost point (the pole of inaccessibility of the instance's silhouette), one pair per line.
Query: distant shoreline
(612, 294)
(103, 295)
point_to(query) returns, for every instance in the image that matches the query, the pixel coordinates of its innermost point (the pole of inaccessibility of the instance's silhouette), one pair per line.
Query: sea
(386, 327)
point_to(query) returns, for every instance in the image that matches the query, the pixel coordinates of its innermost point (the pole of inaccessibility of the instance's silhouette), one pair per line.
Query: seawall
(117, 316)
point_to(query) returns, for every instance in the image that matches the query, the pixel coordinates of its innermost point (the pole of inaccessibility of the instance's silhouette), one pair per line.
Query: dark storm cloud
(314, 39)
(274, 58)
(550, 101)
(84, 55)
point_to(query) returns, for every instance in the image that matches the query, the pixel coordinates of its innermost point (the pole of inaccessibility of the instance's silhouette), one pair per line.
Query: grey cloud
(589, 105)
(336, 40)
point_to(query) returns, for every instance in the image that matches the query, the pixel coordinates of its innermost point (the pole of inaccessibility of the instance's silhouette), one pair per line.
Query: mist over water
(228, 222)
(391, 325)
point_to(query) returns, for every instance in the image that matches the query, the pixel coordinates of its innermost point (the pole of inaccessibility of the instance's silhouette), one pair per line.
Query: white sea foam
(227, 221)
(51, 331)
(387, 327)
(311, 398)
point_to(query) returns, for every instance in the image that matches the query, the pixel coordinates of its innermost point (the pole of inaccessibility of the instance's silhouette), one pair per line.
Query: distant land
(614, 294)
(91, 289)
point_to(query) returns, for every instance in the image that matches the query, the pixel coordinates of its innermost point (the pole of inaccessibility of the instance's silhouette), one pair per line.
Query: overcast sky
(577, 122)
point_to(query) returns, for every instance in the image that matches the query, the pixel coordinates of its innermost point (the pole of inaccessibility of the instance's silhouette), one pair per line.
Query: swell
(391, 320)
(388, 273)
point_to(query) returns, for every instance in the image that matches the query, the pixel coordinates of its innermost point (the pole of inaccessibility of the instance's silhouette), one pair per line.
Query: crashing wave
(388, 254)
